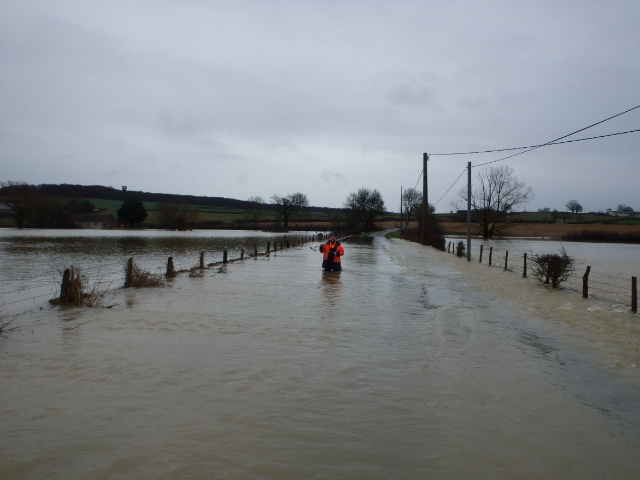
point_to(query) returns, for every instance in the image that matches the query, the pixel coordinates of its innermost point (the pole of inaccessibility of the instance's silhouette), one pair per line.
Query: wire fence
(94, 273)
(620, 291)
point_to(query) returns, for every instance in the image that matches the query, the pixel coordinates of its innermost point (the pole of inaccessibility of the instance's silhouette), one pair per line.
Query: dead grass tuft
(134, 276)
(196, 271)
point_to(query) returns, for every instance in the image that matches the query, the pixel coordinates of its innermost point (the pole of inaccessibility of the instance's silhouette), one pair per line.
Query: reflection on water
(405, 365)
(332, 286)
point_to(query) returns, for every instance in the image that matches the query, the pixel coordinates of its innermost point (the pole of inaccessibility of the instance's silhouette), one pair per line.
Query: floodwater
(409, 364)
(612, 265)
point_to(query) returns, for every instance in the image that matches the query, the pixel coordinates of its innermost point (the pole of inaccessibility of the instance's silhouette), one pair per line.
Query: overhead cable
(558, 139)
(536, 146)
(421, 172)
(456, 181)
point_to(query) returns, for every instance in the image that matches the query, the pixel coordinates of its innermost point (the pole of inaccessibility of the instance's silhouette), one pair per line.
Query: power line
(536, 146)
(456, 181)
(421, 172)
(559, 138)
(552, 142)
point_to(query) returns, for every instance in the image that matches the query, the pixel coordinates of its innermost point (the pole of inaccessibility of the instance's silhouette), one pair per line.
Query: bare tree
(363, 207)
(288, 205)
(21, 198)
(496, 193)
(411, 204)
(624, 208)
(255, 209)
(574, 206)
(177, 216)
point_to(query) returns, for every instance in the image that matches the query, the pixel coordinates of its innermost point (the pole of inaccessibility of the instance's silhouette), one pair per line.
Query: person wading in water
(332, 254)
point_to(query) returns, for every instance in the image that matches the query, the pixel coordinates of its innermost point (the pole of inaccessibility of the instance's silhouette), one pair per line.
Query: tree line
(495, 195)
(46, 206)
(31, 207)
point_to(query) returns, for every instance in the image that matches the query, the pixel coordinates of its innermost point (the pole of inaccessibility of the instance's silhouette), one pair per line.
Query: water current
(409, 364)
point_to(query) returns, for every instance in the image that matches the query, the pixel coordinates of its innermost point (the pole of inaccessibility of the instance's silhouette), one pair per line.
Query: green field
(207, 214)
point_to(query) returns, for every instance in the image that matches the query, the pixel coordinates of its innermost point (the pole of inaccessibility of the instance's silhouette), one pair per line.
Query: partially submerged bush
(134, 276)
(74, 290)
(554, 267)
(461, 249)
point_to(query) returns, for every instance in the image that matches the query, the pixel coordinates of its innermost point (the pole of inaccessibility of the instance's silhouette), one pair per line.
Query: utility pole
(425, 199)
(401, 217)
(469, 212)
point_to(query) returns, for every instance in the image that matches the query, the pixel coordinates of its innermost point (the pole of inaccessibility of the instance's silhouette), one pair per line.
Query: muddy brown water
(409, 364)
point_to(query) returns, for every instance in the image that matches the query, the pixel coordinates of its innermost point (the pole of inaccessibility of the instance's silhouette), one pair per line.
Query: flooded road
(409, 364)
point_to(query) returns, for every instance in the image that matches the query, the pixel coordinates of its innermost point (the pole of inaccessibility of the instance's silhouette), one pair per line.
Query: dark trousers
(330, 266)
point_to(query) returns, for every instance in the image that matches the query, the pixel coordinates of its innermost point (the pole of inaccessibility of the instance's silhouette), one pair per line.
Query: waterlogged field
(611, 266)
(411, 363)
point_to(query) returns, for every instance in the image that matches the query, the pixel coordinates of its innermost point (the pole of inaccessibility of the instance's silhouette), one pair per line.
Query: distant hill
(110, 193)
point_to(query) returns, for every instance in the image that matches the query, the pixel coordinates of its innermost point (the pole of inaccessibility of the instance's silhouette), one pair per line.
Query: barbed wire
(99, 274)
(607, 275)
(26, 299)
(604, 283)
(573, 282)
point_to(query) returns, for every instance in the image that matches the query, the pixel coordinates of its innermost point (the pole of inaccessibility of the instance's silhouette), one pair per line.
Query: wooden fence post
(201, 259)
(171, 271)
(242, 254)
(268, 247)
(128, 277)
(524, 271)
(585, 283)
(481, 248)
(634, 294)
(65, 288)
(490, 254)
(506, 257)
(224, 257)
(256, 251)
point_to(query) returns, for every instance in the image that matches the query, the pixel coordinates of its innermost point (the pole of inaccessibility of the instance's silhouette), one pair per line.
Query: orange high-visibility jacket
(332, 248)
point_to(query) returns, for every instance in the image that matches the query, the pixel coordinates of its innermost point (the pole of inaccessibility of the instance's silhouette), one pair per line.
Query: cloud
(355, 90)
(331, 177)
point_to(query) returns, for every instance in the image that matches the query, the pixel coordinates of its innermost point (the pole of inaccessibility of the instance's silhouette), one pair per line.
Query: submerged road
(409, 364)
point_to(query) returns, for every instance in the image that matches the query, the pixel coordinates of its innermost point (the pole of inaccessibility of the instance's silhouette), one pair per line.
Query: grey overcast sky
(243, 98)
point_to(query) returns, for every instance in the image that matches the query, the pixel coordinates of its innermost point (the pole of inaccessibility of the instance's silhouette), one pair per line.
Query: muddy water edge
(408, 364)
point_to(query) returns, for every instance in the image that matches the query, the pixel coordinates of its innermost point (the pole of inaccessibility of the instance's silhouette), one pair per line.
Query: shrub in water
(552, 267)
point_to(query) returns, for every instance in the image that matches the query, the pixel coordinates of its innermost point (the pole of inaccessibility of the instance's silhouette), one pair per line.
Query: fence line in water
(273, 246)
(585, 287)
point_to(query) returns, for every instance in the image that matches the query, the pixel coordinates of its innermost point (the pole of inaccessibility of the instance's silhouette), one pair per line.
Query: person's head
(332, 237)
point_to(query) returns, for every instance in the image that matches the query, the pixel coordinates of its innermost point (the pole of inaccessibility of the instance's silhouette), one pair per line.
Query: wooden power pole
(425, 199)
